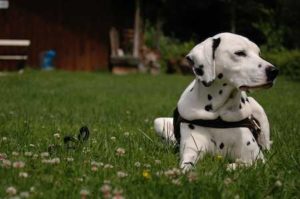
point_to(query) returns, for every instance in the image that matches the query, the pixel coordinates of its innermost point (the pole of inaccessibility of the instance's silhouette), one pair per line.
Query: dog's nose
(271, 73)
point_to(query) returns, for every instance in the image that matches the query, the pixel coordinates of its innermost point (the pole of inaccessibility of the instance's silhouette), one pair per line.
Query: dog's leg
(259, 113)
(193, 146)
(248, 150)
(164, 128)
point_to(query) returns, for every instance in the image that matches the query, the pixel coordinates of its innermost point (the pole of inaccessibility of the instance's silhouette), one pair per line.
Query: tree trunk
(136, 39)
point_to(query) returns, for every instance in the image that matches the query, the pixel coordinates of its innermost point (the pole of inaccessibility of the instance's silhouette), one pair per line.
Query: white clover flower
(108, 166)
(70, 159)
(45, 155)
(278, 183)
(126, 134)
(118, 197)
(32, 189)
(56, 160)
(172, 173)
(94, 141)
(6, 163)
(137, 164)
(237, 197)
(192, 176)
(3, 156)
(4, 139)
(19, 164)
(122, 174)
(56, 135)
(28, 153)
(79, 179)
(227, 181)
(118, 194)
(147, 165)
(113, 138)
(84, 192)
(94, 168)
(105, 188)
(159, 173)
(51, 161)
(97, 164)
(14, 153)
(11, 191)
(120, 152)
(24, 194)
(23, 175)
(176, 182)
(157, 161)
(35, 156)
(31, 145)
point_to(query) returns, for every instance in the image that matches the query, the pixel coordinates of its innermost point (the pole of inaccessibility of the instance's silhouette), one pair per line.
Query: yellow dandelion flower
(146, 174)
(219, 157)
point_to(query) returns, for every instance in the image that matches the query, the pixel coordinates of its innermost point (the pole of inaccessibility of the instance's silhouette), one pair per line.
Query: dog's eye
(241, 53)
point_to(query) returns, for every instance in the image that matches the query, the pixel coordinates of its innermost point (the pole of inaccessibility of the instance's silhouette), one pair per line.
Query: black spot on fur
(221, 145)
(216, 43)
(243, 100)
(208, 107)
(247, 99)
(220, 92)
(213, 141)
(220, 76)
(248, 143)
(224, 84)
(199, 71)
(191, 126)
(240, 106)
(253, 140)
(259, 65)
(191, 89)
(209, 97)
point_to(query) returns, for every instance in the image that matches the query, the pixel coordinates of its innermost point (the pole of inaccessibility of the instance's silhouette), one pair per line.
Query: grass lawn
(37, 109)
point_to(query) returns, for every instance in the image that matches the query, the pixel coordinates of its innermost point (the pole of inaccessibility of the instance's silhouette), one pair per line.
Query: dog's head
(233, 58)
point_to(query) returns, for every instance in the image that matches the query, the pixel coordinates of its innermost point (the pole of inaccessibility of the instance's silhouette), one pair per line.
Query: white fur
(238, 71)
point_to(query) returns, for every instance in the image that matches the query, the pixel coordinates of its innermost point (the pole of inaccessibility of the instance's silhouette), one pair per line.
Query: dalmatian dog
(214, 114)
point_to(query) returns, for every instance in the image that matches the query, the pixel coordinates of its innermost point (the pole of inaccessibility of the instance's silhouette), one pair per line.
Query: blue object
(47, 59)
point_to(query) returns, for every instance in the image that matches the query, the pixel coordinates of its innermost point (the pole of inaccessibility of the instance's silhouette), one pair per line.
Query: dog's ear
(202, 59)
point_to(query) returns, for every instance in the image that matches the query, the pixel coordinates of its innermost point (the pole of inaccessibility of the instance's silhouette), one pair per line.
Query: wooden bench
(13, 53)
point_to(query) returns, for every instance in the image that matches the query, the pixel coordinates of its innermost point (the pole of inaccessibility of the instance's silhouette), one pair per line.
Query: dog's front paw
(187, 166)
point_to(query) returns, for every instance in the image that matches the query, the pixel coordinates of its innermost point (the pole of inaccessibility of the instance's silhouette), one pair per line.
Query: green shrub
(288, 62)
(170, 48)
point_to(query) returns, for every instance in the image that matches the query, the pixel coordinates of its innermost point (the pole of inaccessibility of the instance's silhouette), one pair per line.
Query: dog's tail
(164, 128)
